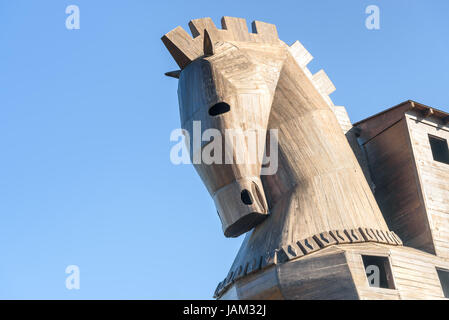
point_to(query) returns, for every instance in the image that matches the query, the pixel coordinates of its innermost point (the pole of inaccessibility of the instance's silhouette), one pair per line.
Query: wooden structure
(314, 226)
(411, 187)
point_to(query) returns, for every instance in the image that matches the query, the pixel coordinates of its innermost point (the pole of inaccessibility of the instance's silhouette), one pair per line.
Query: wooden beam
(302, 56)
(445, 120)
(236, 26)
(323, 83)
(181, 46)
(357, 131)
(428, 112)
(267, 32)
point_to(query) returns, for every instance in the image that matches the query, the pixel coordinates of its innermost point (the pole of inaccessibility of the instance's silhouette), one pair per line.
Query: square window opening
(440, 150)
(443, 275)
(378, 272)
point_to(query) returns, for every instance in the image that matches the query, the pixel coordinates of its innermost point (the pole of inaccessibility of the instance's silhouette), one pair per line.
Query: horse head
(226, 86)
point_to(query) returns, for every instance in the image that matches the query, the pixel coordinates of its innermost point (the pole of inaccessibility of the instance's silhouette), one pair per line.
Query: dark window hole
(378, 271)
(440, 150)
(443, 275)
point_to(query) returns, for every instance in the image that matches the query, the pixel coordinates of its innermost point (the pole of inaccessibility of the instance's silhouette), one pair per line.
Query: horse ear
(174, 74)
(208, 46)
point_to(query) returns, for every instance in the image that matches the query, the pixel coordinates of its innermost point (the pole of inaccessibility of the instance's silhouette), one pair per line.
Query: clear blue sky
(85, 120)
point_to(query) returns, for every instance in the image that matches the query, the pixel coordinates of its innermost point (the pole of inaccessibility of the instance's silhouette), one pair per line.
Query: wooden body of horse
(307, 220)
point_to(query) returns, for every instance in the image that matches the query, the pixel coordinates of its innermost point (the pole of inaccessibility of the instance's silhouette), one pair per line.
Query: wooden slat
(302, 56)
(323, 83)
(181, 46)
(267, 32)
(236, 26)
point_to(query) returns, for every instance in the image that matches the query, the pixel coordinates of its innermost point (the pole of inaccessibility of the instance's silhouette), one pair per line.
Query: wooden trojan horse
(309, 224)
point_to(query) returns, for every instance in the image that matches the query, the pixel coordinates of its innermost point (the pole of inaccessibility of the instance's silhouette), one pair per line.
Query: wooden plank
(181, 46)
(301, 55)
(265, 31)
(306, 278)
(323, 83)
(236, 26)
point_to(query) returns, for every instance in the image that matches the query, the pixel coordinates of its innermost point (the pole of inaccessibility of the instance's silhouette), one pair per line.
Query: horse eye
(219, 108)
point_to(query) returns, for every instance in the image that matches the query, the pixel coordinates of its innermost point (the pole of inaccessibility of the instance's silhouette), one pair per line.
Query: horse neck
(319, 185)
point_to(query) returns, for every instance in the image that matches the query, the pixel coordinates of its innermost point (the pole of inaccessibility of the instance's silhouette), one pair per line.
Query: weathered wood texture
(338, 272)
(305, 247)
(411, 187)
(397, 187)
(262, 285)
(414, 272)
(309, 221)
(325, 277)
(319, 185)
(352, 136)
(433, 176)
(375, 124)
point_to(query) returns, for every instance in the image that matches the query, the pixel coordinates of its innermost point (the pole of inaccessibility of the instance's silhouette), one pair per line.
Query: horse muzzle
(241, 205)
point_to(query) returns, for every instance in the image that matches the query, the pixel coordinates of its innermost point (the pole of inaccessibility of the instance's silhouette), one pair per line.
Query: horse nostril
(246, 197)
(219, 108)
